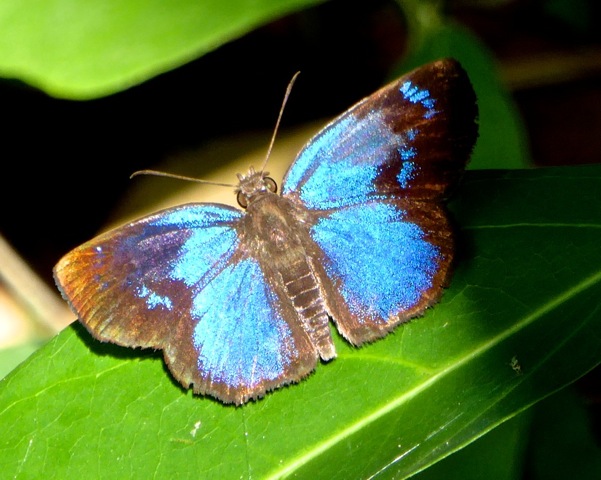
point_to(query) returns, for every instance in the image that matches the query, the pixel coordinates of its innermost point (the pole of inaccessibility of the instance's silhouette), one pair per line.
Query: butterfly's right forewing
(183, 281)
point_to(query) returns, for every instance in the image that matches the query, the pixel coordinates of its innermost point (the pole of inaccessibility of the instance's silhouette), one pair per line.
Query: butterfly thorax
(273, 228)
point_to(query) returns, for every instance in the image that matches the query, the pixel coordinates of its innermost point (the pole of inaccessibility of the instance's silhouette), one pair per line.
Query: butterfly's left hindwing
(180, 281)
(373, 184)
(381, 263)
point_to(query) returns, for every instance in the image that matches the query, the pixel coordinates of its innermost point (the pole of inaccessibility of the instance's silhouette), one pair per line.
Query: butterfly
(240, 301)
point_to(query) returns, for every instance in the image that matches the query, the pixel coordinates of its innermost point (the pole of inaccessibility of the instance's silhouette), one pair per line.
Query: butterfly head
(253, 184)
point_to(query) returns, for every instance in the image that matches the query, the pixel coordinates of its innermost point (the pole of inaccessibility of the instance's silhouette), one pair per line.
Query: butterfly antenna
(157, 173)
(277, 123)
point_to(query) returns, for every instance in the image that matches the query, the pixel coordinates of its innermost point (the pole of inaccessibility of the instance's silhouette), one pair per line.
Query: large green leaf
(11, 357)
(86, 49)
(520, 320)
(563, 443)
(498, 455)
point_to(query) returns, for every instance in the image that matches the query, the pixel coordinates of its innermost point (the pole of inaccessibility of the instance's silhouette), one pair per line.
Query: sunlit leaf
(81, 50)
(520, 320)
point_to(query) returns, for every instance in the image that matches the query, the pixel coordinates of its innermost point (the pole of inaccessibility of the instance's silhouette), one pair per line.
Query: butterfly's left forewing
(411, 139)
(181, 281)
(373, 184)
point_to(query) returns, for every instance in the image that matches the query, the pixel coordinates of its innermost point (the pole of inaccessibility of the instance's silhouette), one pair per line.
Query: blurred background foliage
(160, 82)
(92, 92)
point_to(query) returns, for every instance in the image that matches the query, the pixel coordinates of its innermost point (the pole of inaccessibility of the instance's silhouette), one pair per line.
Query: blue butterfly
(240, 302)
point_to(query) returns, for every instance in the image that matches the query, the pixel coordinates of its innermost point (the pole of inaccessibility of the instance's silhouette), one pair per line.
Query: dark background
(67, 163)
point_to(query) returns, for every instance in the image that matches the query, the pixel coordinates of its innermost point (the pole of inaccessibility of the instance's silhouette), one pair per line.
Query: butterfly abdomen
(302, 288)
(277, 233)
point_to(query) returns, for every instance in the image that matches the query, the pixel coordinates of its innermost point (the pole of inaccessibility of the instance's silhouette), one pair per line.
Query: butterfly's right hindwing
(182, 281)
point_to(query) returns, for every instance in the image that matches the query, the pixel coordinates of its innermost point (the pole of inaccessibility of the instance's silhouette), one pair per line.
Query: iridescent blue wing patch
(382, 263)
(180, 281)
(373, 182)
(411, 139)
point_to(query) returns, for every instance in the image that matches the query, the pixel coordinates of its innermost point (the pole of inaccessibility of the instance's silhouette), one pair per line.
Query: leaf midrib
(323, 446)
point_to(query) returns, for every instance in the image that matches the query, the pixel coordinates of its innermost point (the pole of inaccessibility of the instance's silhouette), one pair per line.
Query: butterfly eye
(242, 200)
(270, 184)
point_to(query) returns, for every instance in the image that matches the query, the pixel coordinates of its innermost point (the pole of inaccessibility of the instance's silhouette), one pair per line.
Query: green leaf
(552, 440)
(519, 321)
(562, 443)
(81, 50)
(498, 455)
(12, 356)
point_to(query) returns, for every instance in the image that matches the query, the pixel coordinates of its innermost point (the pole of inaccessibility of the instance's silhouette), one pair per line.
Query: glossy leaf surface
(89, 49)
(519, 321)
